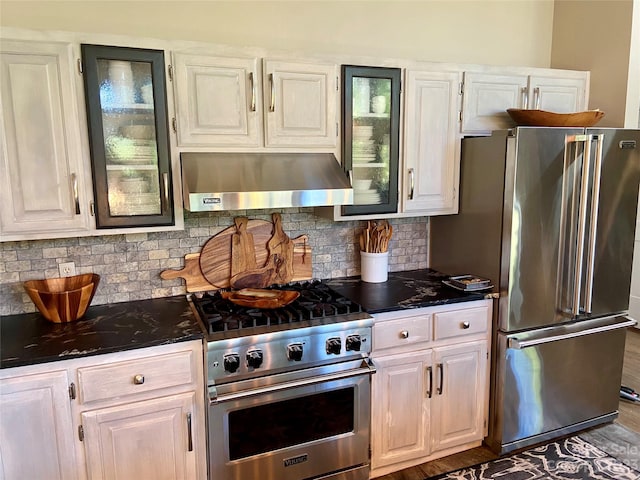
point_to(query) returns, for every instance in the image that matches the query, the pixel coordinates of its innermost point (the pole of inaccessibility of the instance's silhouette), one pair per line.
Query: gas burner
(316, 301)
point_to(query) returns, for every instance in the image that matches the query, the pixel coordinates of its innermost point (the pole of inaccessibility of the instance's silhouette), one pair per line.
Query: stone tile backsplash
(130, 265)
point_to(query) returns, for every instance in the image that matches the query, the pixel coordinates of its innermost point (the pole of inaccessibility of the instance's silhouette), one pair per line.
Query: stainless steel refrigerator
(548, 214)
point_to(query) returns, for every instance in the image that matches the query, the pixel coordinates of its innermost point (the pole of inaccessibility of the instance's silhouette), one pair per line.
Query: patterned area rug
(571, 458)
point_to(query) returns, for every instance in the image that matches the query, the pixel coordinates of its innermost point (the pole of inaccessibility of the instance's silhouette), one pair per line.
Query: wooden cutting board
(243, 251)
(281, 245)
(216, 256)
(191, 273)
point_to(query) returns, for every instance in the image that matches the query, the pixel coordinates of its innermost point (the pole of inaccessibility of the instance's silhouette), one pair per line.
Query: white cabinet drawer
(401, 332)
(133, 377)
(460, 322)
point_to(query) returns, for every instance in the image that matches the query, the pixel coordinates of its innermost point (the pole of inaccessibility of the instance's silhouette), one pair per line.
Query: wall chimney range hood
(245, 181)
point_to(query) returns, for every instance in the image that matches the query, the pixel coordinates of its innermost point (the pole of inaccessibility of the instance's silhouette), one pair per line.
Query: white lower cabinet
(149, 439)
(135, 414)
(430, 391)
(400, 408)
(460, 378)
(36, 432)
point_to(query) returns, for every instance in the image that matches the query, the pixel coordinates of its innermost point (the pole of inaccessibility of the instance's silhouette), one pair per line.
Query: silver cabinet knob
(465, 325)
(138, 379)
(404, 334)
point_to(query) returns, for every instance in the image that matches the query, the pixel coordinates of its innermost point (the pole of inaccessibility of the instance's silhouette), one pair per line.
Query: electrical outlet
(67, 269)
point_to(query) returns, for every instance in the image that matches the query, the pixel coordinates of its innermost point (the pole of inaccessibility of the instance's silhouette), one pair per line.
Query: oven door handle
(367, 368)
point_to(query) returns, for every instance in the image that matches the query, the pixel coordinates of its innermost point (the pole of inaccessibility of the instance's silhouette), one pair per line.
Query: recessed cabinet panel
(218, 100)
(127, 114)
(40, 153)
(371, 126)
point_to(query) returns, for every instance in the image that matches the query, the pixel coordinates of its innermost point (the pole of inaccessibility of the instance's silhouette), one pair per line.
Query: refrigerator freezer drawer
(556, 381)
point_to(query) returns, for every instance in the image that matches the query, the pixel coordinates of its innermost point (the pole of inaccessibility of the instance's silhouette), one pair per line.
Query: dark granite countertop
(403, 290)
(30, 338)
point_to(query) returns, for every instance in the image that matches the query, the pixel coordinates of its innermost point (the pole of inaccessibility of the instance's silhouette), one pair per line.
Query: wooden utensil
(243, 252)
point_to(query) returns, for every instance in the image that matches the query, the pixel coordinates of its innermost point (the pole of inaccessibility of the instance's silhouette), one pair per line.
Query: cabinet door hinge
(337, 129)
(461, 88)
(80, 66)
(171, 73)
(72, 391)
(174, 125)
(81, 433)
(460, 116)
(337, 84)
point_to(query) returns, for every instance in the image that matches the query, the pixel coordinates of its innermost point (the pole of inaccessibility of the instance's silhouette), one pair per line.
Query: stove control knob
(231, 362)
(254, 358)
(353, 343)
(334, 345)
(294, 351)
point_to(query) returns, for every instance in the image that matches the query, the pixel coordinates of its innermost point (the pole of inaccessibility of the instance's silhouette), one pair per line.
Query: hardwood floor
(629, 417)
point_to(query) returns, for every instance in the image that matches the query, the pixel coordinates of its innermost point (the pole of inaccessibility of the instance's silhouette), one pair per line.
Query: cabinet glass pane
(370, 142)
(126, 102)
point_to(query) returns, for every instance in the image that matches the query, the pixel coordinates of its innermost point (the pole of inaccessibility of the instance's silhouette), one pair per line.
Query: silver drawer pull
(138, 379)
(404, 334)
(465, 325)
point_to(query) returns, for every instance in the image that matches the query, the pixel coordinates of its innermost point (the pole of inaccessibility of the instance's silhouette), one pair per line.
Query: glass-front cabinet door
(127, 116)
(371, 122)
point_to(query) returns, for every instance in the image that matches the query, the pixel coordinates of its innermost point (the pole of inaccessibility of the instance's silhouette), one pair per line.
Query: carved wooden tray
(261, 298)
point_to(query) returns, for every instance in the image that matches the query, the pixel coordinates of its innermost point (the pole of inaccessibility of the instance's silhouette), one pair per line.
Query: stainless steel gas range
(289, 388)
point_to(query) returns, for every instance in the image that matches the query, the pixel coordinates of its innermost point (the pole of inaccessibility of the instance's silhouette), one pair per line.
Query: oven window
(282, 424)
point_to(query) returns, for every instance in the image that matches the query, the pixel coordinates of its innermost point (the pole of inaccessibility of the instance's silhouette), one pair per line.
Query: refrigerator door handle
(582, 226)
(516, 344)
(595, 204)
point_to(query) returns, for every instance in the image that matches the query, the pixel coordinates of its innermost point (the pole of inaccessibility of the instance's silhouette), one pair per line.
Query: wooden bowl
(62, 300)
(541, 118)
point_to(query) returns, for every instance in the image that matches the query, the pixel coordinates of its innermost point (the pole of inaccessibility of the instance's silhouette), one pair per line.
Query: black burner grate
(316, 301)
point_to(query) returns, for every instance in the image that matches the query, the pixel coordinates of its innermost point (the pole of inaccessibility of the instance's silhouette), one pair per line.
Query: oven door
(298, 425)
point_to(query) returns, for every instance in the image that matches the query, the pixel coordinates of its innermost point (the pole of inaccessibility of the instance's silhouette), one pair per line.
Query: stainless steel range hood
(242, 181)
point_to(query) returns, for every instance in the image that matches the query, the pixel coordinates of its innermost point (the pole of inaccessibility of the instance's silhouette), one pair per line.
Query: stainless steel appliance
(549, 215)
(289, 388)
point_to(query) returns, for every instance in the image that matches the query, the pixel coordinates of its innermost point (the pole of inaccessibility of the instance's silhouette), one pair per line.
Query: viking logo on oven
(295, 460)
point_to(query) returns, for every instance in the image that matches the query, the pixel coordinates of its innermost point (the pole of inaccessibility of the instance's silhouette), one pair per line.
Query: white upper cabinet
(431, 150)
(487, 96)
(42, 173)
(557, 93)
(243, 102)
(300, 104)
(218, 100)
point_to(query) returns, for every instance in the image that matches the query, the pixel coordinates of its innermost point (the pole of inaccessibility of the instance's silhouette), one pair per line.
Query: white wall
(602, 36)
(495, 32)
